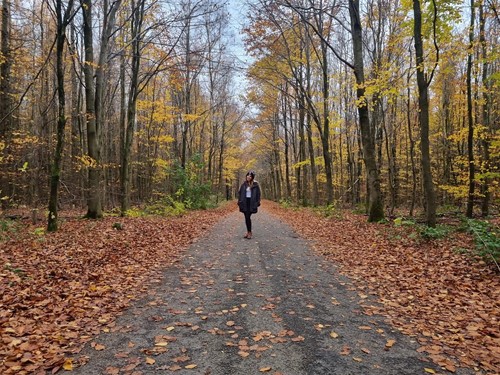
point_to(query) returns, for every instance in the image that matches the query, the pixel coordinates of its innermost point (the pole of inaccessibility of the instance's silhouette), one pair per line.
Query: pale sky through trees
(238, 10)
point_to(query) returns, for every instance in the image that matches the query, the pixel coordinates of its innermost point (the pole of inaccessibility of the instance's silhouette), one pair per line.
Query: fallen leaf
(99, 347)
(191, 366)
(68, 364)
(112, 371)
(429, 370)
(265, 369)
(150, 361)
(345, 350)
(182, 358)
(389, 344)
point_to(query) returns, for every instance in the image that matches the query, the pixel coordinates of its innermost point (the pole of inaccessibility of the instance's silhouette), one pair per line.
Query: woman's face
(249, 178)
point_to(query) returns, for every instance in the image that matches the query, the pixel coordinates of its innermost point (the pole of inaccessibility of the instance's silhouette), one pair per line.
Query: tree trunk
(485, 118)
(94, 209)
(5, 68)
(375, 204)
(55, 172)
(470, 116)
(423, 115)
(136, 32)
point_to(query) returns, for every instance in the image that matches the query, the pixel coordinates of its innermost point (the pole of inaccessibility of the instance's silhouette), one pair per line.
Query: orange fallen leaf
(150, 361)
(390, 344)
(265, 369)
(99, 347)
(191, 366)
(68, 364)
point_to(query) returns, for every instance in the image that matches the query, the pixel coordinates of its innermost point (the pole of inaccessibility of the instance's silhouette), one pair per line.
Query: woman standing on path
(249, 200)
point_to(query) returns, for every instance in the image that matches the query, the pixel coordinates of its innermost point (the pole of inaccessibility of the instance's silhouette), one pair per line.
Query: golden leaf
(68, 364)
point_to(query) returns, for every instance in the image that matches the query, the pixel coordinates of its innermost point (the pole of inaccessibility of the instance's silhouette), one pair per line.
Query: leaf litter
(61, 289)
(427, 289)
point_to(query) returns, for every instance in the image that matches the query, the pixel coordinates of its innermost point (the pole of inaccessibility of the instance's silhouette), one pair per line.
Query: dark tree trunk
(423, 115)
(55, 173)
(94, 209)
(5, 68)
(470, 116)
(136, 32)
(485, 118)
(375, 204)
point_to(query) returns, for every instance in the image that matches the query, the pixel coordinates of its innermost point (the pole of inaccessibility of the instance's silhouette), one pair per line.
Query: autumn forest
(388, 105)
(127, 127)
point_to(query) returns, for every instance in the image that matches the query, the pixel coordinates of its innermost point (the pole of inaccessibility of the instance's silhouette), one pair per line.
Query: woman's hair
(251, 174)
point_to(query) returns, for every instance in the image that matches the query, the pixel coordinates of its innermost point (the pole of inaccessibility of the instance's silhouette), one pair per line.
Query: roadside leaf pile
(449, 301)
(58, 290)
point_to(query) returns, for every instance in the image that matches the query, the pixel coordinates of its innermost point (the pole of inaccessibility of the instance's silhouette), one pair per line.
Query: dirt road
(265, 305)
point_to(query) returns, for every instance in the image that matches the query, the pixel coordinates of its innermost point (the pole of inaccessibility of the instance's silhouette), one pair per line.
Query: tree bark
(94, 209)
(136, 32)
(375, 204)
(5, 69)
(423, 116)
(485, 118)
(55, 173)
(470, 116)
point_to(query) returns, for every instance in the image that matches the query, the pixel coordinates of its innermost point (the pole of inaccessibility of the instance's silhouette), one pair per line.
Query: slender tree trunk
(55, 172)
(136, 32)
(375, 204)
(423, 104)
(5, 69)
(287, 146)
(485, 204)
(94, 209)
(314, 177)
(5, 99)
(470, 116)
(325, 135)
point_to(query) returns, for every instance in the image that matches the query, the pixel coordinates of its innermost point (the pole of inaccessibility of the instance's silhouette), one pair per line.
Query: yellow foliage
(190, 117)
(165, 139)
(86, 162)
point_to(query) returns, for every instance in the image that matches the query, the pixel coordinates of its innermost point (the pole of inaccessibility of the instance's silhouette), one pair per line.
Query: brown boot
(246, 235)
(249, 235)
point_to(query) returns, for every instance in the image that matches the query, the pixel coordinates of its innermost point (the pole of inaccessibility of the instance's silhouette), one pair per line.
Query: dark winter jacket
(254, 200)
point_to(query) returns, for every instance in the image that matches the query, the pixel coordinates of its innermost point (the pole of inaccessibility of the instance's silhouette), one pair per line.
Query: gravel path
(265, 305)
